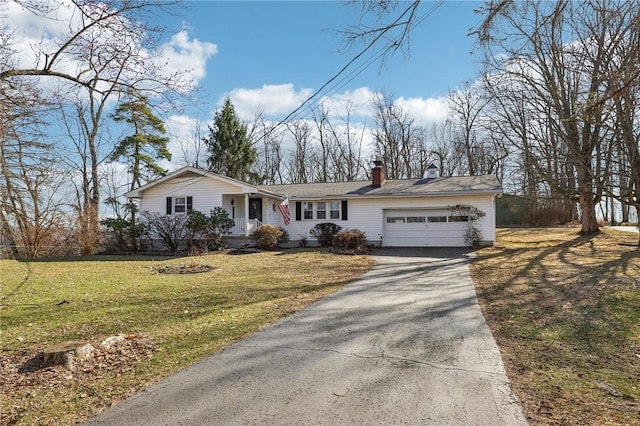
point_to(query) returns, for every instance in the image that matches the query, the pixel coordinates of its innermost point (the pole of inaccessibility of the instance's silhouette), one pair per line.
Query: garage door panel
(422, 228)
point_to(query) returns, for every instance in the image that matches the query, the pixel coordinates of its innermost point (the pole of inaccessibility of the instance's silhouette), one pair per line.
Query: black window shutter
(298, 210)
(189, 204)
(344, 210)
(169, 204)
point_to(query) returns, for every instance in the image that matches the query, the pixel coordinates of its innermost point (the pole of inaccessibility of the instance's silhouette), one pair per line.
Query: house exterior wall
(367, 215)
(206, 193)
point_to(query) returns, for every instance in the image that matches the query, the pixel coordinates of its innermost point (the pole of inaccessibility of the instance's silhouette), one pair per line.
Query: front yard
(170, 320)
(565, 311)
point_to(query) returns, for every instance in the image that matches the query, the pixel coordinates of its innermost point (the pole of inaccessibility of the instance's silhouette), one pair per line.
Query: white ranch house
(393, 213)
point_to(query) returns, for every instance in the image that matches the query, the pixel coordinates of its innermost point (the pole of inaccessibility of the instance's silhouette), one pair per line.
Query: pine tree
(146, 145)
(231, 153)
(143, 148)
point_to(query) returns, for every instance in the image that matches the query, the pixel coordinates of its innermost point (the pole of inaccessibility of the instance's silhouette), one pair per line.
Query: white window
(180, 204)
(334, 213)
(415, 219)
(321, 210)
(307, 210)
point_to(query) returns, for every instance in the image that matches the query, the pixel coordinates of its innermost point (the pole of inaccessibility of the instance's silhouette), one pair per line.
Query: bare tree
(442, 147)
(299, 163)
(561, 54)
(397, 141)
(193, 150)
(346, 152)
(31, 188)
(465, 105)
(108, 48)
(270, 160)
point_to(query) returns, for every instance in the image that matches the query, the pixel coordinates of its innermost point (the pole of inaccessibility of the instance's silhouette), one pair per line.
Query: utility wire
(300, 110)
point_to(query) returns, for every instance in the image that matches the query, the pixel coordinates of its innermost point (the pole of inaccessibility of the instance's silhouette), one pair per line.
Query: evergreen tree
(143, 148)
(231, 153)
(146, 145)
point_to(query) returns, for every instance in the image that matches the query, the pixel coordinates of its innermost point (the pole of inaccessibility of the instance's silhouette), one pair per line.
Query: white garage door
(423, 228)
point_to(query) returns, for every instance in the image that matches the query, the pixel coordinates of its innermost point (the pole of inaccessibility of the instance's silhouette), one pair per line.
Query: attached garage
(424, 228)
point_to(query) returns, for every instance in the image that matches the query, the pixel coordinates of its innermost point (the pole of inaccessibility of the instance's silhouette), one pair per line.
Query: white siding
(206, 194)
(367, 215)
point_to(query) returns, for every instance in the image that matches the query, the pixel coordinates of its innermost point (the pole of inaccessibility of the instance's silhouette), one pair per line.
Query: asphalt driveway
(405, 344)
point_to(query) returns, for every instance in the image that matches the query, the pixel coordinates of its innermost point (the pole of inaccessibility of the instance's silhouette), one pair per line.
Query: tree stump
(65, 353)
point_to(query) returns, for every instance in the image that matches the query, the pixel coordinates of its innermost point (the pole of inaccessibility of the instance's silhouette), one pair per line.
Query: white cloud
(278, 100)
(358, 102)
(184, 55)
(270, 99)
(33, 35)
(425, 111)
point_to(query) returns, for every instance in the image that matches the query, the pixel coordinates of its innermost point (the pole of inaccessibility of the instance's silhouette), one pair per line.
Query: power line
(300, 110)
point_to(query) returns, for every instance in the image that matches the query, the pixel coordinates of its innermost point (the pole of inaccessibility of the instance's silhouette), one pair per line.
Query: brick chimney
(377, 174)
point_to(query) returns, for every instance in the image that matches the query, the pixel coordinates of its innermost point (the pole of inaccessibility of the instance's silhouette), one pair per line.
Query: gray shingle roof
(438, 186)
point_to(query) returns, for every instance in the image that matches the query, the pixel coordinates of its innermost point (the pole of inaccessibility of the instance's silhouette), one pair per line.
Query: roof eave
(398, 194)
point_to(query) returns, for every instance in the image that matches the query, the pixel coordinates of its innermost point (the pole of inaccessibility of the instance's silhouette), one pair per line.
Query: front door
(255, 208)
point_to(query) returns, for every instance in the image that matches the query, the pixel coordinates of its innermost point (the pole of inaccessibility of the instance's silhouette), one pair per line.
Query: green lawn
(181, 318)
(565, 311)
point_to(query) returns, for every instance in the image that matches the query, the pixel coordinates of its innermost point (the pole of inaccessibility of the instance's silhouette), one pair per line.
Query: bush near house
(269, 237)
(121, 235)
(352, 241)
(208, 232)
(325, 233)
(169, 229)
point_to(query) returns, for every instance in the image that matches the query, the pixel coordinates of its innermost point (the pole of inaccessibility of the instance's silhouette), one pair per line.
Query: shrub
(209, 229)
(170, 229)
(351, 241)
(122, 232)
(122, 235)
(267, 237)
(325, 233)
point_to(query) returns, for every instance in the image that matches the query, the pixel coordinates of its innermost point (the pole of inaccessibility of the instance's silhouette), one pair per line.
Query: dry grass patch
(180, 319)
(565, 311)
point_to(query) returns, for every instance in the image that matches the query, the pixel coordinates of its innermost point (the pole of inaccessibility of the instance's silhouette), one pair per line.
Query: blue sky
(293, 46)
(269, 56)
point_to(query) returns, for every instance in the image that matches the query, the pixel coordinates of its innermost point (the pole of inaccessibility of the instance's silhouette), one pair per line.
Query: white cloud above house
(270, 100)
(357, 102)
(278, 100)
(425, 111)
(182, 54)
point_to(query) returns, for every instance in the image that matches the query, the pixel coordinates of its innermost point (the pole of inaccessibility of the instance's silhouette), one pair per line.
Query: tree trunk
(587, 204)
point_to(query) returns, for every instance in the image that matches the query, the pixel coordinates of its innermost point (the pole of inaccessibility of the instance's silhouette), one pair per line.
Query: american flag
(284, 211)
